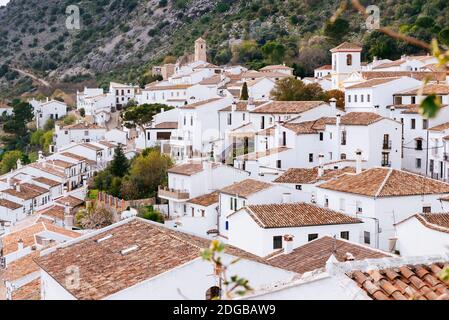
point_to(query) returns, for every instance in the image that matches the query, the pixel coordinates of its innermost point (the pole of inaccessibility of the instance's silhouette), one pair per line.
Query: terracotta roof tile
(310, 175)
(246, 188)
(440, 127)
(358, 119)
(189, 169)
(418, 75)
(30, 291)
(206, 199)
(314, 255)
(200, 103)
(433, 88)
(372, 83)
(242, 106)
(82, 126)
(308, 127)
(74, 156)
(287, 107)
(385, 182)
(276, 67)
(54, 211)
(347, 46)
(296, 215)
(71, 200)
(9, 204)
(105, 269)
(48, 182)
(167, 125)
(325, 67)
(412, 282)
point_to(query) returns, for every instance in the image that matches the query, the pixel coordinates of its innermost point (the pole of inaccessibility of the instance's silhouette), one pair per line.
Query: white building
(50, 109)
(381, 197)
(140, 262)
(423, 234)
(77, 133)
(346, 58)
(122, 93)
(264, 229)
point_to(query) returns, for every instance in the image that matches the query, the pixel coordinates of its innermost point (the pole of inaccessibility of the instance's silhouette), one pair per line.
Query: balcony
(386, 163)
(167, 193)
(386, 145)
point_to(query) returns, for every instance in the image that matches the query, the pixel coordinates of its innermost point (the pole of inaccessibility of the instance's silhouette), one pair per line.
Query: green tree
(273, 52)
(9, 161)
(244, 96)
(82, 112)
(443, 36)
(37, 137)
(292, 89)
(49, 125)
(47, 140)
(338, 95)
(119, 165)
(142, 114)
(337, 29)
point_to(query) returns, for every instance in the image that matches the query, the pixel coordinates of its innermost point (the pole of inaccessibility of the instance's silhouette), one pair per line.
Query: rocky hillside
(121, 39)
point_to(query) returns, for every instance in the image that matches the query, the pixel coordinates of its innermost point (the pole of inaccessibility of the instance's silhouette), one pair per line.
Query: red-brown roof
(206, 200)
(9, 204)
(386, 182)
(287, 107)
(246, 188)
(310, 175)
(347, 46)
(372, 83)
(314, 255)
(107, 267)
(200, 103)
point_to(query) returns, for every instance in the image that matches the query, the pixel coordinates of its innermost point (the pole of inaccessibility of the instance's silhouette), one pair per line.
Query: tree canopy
(292, 89)
(142, 114)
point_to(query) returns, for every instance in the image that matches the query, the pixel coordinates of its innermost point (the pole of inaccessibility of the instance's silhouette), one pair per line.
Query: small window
(278, 164)
(367, 237)
(349, 98)
(310, 157)
(361, 98)
(355, 98)
(425, 124)
(344, 235)
(326, 201)
(368, 98)
(229, 119)
(418, 163)
(321, 136)
(418, 144)
(349, 59)
(227, 225)
(298, 187)
(277, 242)
(426, 209)
(413, 124)
(232, 203)
(312, 236)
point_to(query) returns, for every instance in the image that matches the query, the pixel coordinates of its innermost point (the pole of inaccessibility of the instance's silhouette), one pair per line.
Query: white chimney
(286, 198)
(8, 180)
(288, 243)
(234, 106)
(20, 245)
(320, 165)
(162, 110)
(19, 164)
(358, 161)
(392, 109)
(333, 104)
(40, 156)
(18, 187)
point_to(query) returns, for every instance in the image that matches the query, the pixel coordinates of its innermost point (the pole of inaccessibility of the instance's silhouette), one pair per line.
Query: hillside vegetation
(121, 39)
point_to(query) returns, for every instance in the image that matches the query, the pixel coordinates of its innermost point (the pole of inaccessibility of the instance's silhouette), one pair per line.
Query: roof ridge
(382, 185)
(427, 223)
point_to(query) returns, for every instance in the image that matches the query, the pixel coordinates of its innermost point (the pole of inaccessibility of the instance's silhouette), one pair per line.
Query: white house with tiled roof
(264, 229)
(45, 110)
(250, 191)
(423, 234)
(376, 94)
(77, 133)
(122, 93)
(190, 180)
(406, 63)
(140, 268)
(381, 197)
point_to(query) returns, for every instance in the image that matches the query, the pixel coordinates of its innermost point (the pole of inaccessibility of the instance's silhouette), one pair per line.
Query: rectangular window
(342, 204)
(425, 124)
(367, 237)
(413, 124)
(310, 157)
(243, 116)
(426, 209)
(326, 201)
(344, 235)
(232, 203)
(358, 206)
(397, 100)
(312, 236)
(361, 98)
(418, 163)
(355, 98)
(191, 120)
(321, 136)
(229, 119)
(413, 100)
(277, 242)
(235, 203)
(368, 98)
(278, 164)
(227, 225)
(349, 98)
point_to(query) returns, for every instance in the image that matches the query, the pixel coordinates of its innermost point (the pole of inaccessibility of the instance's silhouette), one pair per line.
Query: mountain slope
(120, 39)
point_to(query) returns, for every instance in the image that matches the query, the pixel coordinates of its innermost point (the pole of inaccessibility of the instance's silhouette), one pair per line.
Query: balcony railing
(386, 145)
(172, 193)
(386, 163)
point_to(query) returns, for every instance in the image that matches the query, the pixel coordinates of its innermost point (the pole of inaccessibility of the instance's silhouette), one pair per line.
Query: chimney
(20, 245)
(40, 156)
(286, 198)
(288, 241)
(18, 187)
(320, 165)
(330, 264)
(19, 164)
(234, 106)
(349, 257)
(162, 110)
(375, 59)
(392, 109)
(333, 104)
(358, 161)
(8, 180)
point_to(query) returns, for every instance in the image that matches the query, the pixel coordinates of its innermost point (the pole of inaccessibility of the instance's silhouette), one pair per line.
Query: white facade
(51, 109)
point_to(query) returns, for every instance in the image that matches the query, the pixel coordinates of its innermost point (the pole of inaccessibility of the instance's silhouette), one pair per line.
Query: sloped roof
(347, 46)
(310, 175)
(246, 188)
(386, 182)
(286, 107)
